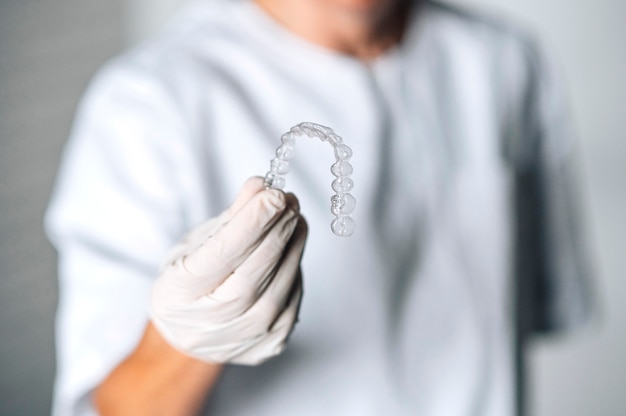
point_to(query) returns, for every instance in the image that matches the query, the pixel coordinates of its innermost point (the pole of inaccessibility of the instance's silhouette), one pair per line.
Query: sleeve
(552, 257)
(115, 211)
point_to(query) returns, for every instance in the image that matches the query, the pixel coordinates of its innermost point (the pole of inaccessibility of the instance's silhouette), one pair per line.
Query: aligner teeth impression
(342, 203)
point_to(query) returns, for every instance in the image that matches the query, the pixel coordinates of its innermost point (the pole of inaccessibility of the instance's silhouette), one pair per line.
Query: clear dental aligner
(342, 203)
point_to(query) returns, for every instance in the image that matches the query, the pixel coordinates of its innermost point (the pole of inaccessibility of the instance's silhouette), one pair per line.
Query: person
(467, 238)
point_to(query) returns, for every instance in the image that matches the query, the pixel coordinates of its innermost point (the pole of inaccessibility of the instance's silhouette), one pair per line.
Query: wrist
(156, 377)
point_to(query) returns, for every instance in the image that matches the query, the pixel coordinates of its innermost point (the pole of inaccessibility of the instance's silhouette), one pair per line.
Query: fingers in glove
(232, 338)
(251, 187)
(264, 312)
(248, 282)
(241, 308)
(209, 264)
(275, 341)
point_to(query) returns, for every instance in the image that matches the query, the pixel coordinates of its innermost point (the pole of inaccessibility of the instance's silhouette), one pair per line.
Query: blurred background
(48, 52)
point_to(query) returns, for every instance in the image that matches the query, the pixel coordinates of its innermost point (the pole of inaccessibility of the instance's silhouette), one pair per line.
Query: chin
(365, 6)
(368, 8)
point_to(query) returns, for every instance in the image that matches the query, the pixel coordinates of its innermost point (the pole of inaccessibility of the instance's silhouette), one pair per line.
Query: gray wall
(48, 51)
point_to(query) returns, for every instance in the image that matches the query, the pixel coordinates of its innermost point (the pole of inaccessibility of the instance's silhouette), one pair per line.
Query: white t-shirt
(462, 154)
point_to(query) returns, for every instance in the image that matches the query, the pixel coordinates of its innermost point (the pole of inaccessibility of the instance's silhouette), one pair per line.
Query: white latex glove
(231, 289)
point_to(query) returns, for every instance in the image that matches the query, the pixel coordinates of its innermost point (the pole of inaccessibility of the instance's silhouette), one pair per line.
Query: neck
(363, 29)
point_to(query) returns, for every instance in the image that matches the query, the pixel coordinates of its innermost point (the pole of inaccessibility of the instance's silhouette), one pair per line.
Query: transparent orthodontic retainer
(342, 203)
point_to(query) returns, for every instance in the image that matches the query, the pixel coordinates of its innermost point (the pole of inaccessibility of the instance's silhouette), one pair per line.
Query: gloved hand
(231, 289)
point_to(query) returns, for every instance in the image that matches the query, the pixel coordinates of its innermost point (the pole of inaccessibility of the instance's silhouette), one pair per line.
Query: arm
(553, 264)
(156, 379)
